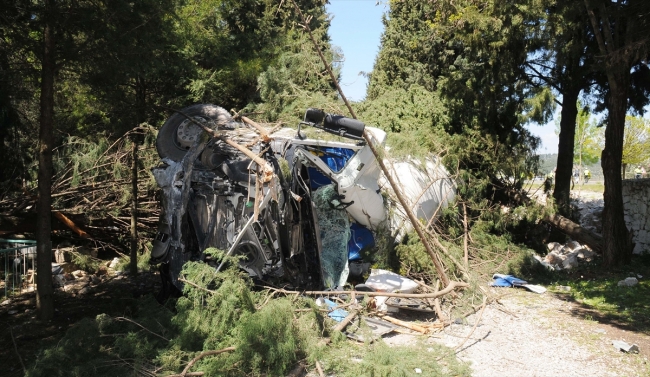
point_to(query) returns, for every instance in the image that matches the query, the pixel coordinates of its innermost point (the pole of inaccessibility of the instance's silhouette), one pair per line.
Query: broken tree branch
(264, 133)
(142, 327)
(480, 315)
(414, 221)
(319, 369)
(185, 371)
(67, 222)
(341, 325)
(408, 325)
(450, 287)
(466, 233)
(16, 349)
(196, 286)
(568, 227)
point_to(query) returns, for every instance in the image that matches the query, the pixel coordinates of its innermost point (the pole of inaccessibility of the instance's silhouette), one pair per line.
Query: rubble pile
(565, 257)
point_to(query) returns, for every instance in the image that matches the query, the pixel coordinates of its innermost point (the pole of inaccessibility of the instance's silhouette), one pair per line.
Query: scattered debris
(564, 288)
(628, 282)
(565, 257)
(387, 281)
(500, 280)
(625, 347)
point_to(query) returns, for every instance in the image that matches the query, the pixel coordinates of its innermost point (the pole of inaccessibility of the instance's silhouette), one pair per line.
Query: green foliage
(597, 287)
(297, 79)
(106, 346)
(219, 310)
(380, 360)
(636, 142)
(414, 119)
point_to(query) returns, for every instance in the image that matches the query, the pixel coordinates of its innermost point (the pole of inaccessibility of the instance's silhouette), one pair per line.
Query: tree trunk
(617, 245)
(564, 172)
(45, 291)
(134, 209)
(576, 232)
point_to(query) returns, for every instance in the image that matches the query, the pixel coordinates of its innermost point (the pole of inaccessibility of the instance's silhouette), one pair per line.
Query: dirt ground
(114, 295)
(522, 334)
(526, 334)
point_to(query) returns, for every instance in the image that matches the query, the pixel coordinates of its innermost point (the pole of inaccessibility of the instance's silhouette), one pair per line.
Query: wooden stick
(142, 327)
(452, 285)
(185, 371)
(16, 349)
(408, 325)
(67, 222)
(480, 315)
(435, 258)
(196, 286)
(266, 168)
(341, 325)
(465, 236)
(264, 134)
(319, 369)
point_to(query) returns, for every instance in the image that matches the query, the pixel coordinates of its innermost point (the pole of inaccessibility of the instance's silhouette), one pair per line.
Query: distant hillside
(548, 162)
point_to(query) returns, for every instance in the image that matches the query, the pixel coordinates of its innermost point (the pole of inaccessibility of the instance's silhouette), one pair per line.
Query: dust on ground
(526, 334)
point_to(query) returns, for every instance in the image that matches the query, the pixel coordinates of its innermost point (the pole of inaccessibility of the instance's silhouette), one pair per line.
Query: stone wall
(636, 201)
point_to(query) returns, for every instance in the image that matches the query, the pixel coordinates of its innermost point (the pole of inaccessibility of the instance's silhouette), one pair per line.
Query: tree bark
(134, 209)
(620, 52)
(566, 143)
(45, 291)
(576, 232)
(617, 244)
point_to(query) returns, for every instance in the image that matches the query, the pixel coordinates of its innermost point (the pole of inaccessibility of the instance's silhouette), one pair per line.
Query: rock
(12, 312)
(563, 288)
(554, 246)
(79, 274)
(84, 291)
(68, 276)
(114, 263)
(542, 262)
(102, 270)
(584, 253)
(570, 261)
(573, 245)
(94, 280)
(628, 282)
(625, 347)
(553, 258)
(5, 302)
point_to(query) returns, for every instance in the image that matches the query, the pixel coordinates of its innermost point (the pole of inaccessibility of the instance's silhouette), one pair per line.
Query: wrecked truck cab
(291, 224)
(292, 208)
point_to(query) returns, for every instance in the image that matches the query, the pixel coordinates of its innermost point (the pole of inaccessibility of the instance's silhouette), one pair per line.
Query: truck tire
(172, 146)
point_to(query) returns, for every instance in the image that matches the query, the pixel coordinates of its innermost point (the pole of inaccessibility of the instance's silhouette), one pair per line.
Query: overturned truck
(299, 209)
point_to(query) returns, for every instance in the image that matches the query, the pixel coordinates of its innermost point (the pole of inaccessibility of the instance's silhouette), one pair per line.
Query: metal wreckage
(293, 208)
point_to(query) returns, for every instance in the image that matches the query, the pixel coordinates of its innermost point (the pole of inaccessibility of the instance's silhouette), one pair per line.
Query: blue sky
(356, 28)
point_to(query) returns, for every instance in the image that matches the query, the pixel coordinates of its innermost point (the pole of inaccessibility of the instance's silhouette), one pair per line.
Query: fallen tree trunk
(566, 226)
(575, 231)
